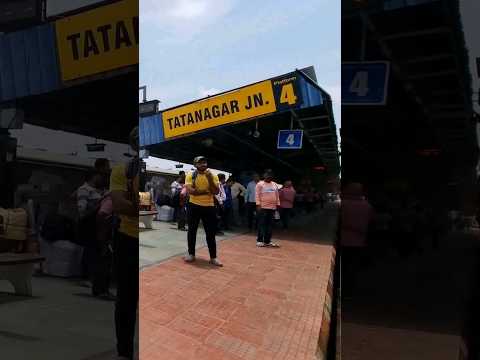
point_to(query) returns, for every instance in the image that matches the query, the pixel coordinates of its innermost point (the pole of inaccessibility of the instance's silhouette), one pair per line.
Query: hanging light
(256, 133)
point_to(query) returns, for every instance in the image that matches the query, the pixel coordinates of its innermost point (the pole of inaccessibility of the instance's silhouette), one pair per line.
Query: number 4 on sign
(359, 84)
(288, 95)
(290, 139)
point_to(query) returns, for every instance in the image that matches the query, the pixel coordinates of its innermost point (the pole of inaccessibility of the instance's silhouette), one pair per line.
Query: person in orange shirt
(268, 201)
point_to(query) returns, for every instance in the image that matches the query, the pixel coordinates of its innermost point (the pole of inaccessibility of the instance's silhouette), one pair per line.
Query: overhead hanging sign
(263, 98)
(99, 40)
(290, 139)
(365, 83)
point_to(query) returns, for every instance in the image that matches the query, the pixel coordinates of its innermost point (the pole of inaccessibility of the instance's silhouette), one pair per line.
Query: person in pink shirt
(355, 216)
(268, 201)
(287, 198)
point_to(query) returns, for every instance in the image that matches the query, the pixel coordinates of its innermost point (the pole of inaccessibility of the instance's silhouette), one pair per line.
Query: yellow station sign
(99, 40)
(245, 103)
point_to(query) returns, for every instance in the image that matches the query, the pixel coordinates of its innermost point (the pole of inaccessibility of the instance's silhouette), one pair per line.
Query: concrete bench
(18, 269)
(146, 218)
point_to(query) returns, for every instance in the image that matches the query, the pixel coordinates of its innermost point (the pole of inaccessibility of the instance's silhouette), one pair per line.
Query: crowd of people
(108, 205)
(386, 224)
(236, 203)
(223, 203)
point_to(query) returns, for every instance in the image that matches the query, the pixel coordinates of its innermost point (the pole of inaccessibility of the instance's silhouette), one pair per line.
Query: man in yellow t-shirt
(202, 185)
(124, 187)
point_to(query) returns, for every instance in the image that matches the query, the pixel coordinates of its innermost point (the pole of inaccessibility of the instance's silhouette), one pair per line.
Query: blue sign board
(290, 139)
(365, 83)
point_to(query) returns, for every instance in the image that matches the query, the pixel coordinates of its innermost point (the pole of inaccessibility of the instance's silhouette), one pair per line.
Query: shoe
(272, 245)
(216, 262)
(189, 258)
(261, 244)
(220, 233)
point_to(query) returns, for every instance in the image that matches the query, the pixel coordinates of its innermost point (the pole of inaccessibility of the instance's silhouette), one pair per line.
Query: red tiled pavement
(265, 303)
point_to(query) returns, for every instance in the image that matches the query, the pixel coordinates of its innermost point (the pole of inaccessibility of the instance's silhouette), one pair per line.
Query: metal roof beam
(387, 52)
(256, 148)
(427, 59)
(319, 135)
(447, 107)
(443, 92)
(448, 115)
(309, 118)
(430, 75)
(434, 31)
(324, 143)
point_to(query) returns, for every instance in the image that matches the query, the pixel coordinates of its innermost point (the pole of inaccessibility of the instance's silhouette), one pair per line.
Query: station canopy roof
(429, 94)
(229, 137)
(90, 91)
(104, 109)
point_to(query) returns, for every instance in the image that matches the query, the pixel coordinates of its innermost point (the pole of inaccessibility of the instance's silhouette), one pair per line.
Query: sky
(193, 48)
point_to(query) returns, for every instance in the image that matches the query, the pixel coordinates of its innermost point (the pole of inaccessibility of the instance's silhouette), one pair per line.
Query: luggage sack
(13, 224)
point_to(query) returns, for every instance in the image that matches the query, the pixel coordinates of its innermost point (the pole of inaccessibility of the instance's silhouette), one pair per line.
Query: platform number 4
(359, 84)
(288, 95)
(290, 139)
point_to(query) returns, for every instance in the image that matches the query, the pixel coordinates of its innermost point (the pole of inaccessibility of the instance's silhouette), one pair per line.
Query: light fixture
(256, 133)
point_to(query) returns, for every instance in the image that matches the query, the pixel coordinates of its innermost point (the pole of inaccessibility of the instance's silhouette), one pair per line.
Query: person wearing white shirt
(251, 202)
(176, 188)
(220, 197)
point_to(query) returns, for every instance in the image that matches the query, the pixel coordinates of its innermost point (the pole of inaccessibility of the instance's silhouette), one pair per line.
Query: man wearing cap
(202, 185)
(124, 186)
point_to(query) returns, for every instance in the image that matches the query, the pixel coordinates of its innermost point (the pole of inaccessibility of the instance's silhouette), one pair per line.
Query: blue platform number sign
(365, 83)
(290, 139)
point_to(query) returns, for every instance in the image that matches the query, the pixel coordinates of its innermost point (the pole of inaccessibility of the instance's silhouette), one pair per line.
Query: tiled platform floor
(265, 303)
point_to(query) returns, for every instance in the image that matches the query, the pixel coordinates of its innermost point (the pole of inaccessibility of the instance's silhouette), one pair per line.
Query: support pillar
(8, 152)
